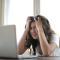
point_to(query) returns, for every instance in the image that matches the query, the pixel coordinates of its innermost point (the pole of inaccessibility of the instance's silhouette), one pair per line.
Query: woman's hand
(39, 24)
(27, 23)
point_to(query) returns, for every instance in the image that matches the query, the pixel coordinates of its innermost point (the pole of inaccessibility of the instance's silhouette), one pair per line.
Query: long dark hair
(47, 30)
(46, 27)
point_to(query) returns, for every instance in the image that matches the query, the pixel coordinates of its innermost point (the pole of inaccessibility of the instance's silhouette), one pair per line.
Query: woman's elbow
(46, 55)
(19, 51)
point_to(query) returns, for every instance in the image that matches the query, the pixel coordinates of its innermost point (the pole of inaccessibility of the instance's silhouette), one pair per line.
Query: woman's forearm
(43, 42)
(21, 45)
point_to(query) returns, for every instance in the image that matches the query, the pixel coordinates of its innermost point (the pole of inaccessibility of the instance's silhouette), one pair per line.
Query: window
(51, 10)
(16, 12)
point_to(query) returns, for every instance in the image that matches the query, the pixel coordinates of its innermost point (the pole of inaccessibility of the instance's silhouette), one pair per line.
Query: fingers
(29, 19)
(38, 23)
(38, 20)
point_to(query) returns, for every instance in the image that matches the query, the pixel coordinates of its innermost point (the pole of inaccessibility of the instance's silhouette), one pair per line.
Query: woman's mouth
(34, 34)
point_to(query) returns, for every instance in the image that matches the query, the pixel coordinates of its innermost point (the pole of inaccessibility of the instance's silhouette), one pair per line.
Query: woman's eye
(33, 27)
(30, 28)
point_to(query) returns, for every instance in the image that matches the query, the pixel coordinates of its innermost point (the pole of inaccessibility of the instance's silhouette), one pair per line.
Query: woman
(38, 33)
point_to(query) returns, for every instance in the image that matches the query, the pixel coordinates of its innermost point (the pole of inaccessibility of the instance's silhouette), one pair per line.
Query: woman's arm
(45, 46)
(21, 46)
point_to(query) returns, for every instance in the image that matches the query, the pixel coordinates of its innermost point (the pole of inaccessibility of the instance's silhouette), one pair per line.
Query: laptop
(8, 41)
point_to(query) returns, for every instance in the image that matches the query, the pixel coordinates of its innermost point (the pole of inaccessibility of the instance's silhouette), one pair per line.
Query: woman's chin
(35, 38)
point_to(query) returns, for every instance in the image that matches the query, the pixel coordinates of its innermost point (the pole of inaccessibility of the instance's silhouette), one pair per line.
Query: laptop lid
(8, 43)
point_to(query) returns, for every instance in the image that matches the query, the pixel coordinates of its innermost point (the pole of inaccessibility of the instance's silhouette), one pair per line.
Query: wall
(36, 7)
(1, 12)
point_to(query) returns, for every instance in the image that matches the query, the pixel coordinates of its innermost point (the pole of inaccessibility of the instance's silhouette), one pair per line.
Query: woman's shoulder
(55, 39)
(55, 35)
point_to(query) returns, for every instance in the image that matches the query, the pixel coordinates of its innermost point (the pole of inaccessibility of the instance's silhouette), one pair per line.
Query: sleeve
(55, 39)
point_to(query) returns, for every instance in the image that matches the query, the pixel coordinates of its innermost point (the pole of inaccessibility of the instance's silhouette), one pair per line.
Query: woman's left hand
(38, 24)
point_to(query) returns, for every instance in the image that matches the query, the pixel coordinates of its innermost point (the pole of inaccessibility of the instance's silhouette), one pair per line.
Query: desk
(38, 58)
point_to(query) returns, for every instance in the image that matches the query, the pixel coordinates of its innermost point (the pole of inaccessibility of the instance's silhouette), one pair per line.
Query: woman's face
(33, 31)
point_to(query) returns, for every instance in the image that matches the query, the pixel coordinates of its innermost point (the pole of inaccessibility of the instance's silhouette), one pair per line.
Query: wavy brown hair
(46, 27)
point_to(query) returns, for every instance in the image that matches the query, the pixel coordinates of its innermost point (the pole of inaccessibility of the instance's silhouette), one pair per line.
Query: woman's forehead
(33, 24)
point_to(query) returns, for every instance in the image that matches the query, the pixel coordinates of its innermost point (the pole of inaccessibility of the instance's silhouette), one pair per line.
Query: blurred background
(17, 11)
